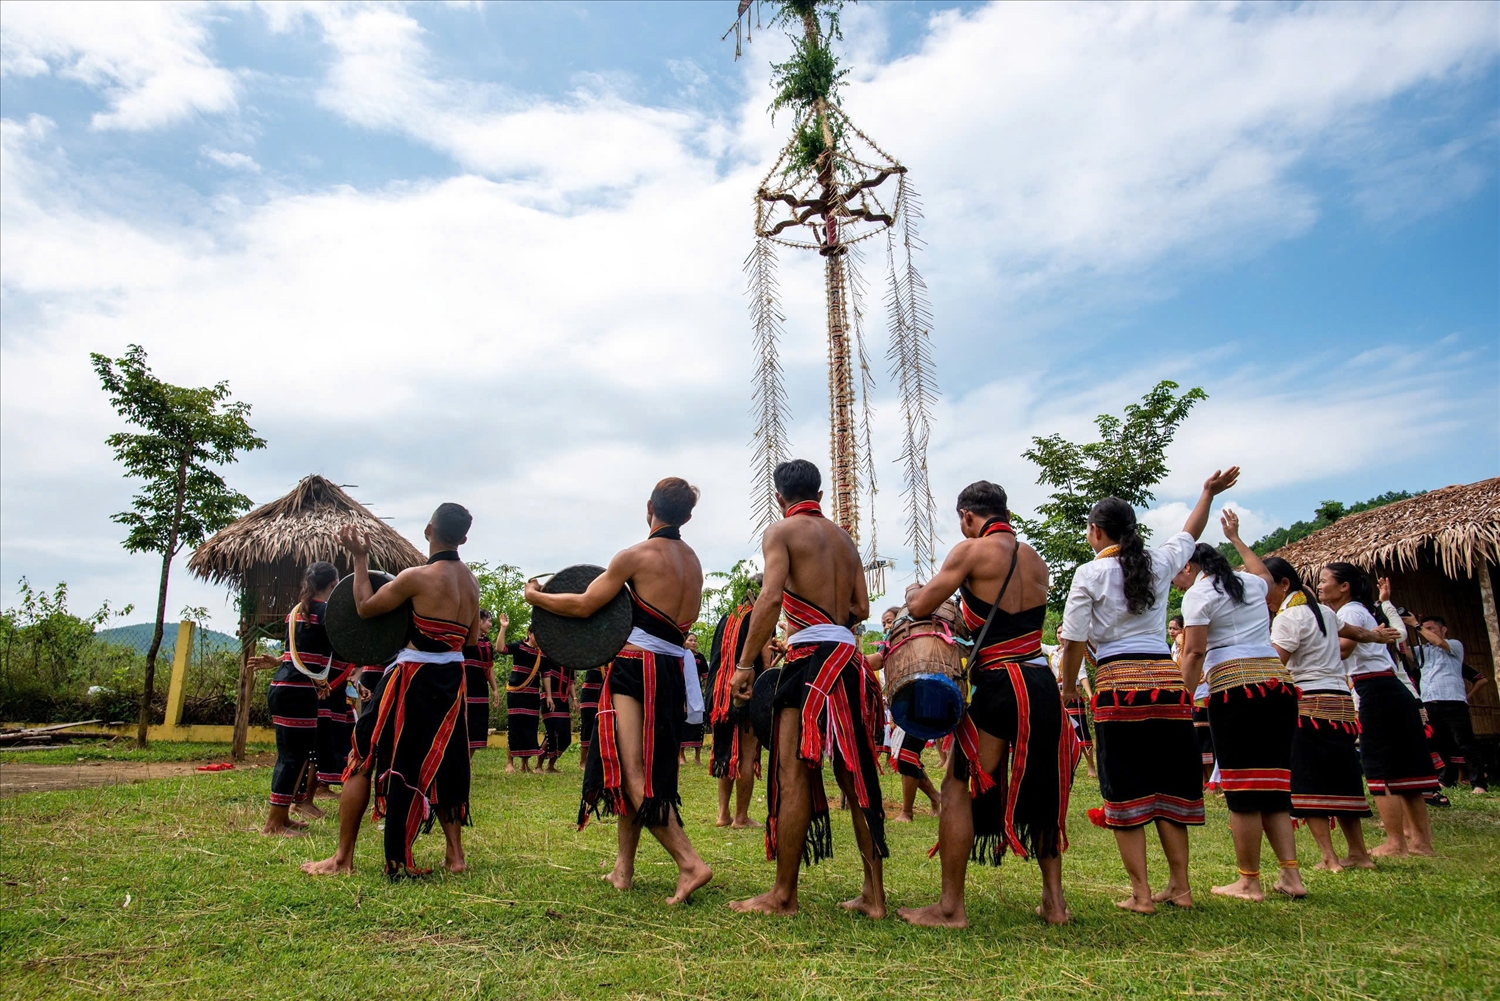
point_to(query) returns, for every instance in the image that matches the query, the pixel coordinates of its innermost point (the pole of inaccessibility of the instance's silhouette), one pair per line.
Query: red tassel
(1315, 724)
(1130, 697)
(1154, 693)
(1096, 816)
(934, 850)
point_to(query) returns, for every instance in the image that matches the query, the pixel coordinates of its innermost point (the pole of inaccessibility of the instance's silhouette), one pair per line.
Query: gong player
(411, 740)
(631, 770)
(813, 574)
(1008, 781)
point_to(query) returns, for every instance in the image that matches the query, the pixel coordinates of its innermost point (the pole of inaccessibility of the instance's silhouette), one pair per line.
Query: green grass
(217, 912)
(124, 749)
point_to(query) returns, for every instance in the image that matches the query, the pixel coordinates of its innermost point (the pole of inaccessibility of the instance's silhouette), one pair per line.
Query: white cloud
(147, 59)
(233, 161)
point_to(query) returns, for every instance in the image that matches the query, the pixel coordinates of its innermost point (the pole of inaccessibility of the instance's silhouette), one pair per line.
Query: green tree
(502, 590)
(1127, 461)
(185, 432)
(46, 639)
(721, 600)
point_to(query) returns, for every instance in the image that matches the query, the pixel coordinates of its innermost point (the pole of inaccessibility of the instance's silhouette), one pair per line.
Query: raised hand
(1230, 522)
(1384, 584)
(353, 541)
(1222, 480)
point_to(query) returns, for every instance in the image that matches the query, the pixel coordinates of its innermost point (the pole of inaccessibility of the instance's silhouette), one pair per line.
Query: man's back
(665, 573)
(445, 590)
(823, 566)
(990, 562)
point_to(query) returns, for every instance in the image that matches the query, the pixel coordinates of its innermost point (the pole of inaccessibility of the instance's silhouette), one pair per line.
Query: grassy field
(162, 890)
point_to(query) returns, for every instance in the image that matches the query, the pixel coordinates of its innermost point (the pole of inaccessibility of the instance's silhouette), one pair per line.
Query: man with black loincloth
(411, 740)
(479, 671)
(813, 574)
(1012, 770)
(736, 751)
(631, 770)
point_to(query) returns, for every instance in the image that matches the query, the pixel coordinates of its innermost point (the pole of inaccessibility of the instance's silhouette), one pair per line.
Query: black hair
(1434, 618)
(485, 613)
(985, 499)
(1213, 563)
(673, 500)
(450, 523)
(1116, 519)
(318, 577)
(1280, 570)
(893, 610)
(798, 480)
(1359, 588)
(1179, 620)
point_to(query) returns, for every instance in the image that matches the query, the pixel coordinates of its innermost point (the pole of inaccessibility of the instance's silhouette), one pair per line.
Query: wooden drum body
(924, 673)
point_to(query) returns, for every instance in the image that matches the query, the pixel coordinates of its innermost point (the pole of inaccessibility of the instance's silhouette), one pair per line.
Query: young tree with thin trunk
(184, 432)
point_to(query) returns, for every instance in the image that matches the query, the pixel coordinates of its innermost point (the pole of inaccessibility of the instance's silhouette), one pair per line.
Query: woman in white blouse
(1252, 711)
(1143, 717)
(1393, 741)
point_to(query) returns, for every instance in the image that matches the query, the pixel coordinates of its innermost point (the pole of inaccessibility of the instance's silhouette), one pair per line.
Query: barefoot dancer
(1143, 716)
(523, 702)
(1252, 711)
(1077, 707)
(1008, 783)
(557, 713)
(1392, 741)
(902, 749)
(631, 770)
(692, 733)
(821, 697)
(479, 680)
(1327, 782)
(293, 702)
(736, 751)
(411, 741)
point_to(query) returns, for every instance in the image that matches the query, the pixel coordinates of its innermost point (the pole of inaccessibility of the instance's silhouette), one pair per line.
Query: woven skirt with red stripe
(293, 703)
(1077, 709)
(1204, 733)
(523, 714)
(478, 709)
(1252, 728)
(1392, 740)
(1026, 808)
(826, 683)
(335, 732)
(588, 708)
(656, 683)
(557, 724)
(411, 739)
(909, 757)
(1327, 780)
(1147, 752)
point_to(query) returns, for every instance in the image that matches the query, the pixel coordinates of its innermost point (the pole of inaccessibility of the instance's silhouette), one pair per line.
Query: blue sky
(492, 253)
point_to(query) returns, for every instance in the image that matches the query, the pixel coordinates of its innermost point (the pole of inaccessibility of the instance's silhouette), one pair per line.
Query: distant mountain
(138, 638)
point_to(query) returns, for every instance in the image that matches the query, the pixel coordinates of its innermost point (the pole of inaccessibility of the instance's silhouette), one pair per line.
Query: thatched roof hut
(1441, 551)
(263, 554)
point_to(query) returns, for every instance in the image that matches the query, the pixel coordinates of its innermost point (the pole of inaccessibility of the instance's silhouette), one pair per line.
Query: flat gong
(371, 641)
(581, 644)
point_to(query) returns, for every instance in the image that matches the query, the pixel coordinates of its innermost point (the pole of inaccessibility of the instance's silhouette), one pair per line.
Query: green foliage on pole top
(1127, 461)
(810, 76)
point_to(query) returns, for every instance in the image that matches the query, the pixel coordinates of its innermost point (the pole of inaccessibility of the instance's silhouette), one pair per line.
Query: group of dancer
(1287, 734)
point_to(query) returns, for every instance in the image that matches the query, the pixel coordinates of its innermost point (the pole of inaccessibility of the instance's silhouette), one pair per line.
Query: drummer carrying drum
(1008, 784)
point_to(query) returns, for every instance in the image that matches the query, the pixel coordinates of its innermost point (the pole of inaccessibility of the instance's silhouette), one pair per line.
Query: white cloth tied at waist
(1237, 651)
(823, 632)
(655, 644)
(429, 657)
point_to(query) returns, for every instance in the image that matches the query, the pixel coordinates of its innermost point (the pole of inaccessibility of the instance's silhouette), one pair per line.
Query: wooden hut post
(1491, 623)
(246, 682)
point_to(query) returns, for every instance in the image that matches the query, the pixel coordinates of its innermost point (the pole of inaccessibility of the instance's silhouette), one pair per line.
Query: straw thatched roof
(265, 552)
(1456, 528)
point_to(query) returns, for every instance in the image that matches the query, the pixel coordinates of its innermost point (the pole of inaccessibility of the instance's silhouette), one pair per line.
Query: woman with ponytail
(1327, 781)
(296, 688)
(1393, 741)
(1252, 711)
(1143, 716)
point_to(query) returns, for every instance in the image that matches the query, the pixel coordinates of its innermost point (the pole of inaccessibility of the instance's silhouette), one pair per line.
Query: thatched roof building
(1441, 551)
(263, 554)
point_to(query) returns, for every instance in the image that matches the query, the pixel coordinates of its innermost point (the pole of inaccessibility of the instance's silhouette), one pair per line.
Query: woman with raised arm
(1392, 741)
(1327, 782)
(1252, 710)
(1143, 716)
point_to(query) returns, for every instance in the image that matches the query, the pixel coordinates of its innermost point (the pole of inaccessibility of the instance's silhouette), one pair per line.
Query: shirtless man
(424, 763)
(736, 751)
(1015, 707)
(813, 573)
(631, 771)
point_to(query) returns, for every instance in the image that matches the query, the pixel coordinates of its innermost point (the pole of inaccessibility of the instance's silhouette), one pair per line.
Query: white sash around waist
(655, 644)
(1237, 651)
(823, 632)
(427, 657)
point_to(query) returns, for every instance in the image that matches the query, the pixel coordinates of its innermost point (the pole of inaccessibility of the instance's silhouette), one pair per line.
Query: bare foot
(1424, 850)
(770, 902)
(1136, 904)
(1362, 862)
(328, 867)
(723, 820)
(455, 864)
(1388, 850)
(1244, 888)
(934, 916)
(300, 825)
(325, 793)
(1054, 914)
(307, 810)
(1170, 894)
(872, 909)
(510, 768)
(283, 831)
(1330, 865)
(689, 880)
(1093, 774)
(619, 879)
(901, 817)
(745, 822)
(1290, 884)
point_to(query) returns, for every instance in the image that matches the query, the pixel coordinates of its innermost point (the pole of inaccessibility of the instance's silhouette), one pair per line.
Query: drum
(924, 673)
(371, 641)
(581, 644)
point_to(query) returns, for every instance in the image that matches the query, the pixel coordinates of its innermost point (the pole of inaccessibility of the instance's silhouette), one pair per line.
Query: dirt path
(19, 777)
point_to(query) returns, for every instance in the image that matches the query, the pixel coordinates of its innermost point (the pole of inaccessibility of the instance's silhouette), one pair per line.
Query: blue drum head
(928, 706)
